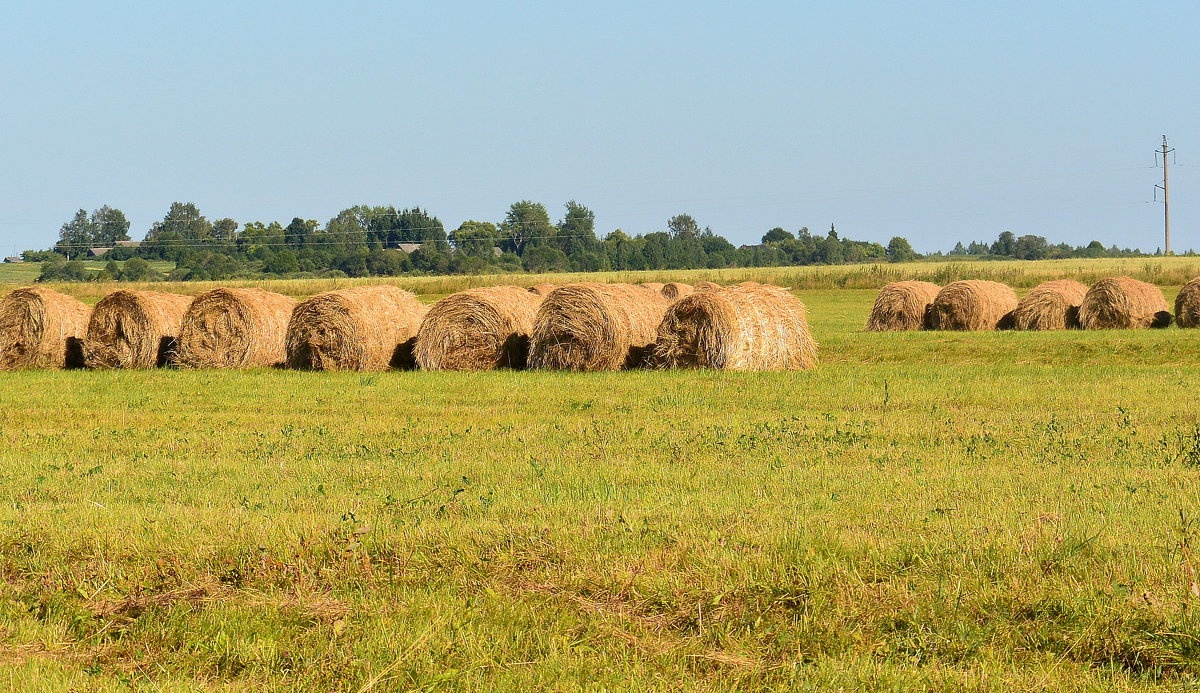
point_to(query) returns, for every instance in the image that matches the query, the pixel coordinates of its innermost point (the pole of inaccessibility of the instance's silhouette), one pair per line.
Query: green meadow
(923, 511)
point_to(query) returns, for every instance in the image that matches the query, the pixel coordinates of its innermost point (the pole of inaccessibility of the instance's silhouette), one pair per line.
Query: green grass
(924, 511)
(23, 273)
(19, 272)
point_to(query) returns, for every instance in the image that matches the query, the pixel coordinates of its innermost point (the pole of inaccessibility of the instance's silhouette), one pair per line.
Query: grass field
(22, 273)
(924, 511)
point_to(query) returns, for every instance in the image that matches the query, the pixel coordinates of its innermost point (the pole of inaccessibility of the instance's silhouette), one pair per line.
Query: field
(924, 511)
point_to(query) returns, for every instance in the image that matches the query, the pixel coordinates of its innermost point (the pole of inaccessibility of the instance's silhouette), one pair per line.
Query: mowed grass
(924, 511)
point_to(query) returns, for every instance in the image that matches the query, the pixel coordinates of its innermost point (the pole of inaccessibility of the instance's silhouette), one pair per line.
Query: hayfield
(945, 511)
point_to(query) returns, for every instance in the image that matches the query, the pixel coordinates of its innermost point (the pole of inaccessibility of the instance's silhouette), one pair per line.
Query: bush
(543, 258)
(138, 270)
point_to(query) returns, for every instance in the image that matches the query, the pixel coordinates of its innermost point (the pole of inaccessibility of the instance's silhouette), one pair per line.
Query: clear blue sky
(938, 121)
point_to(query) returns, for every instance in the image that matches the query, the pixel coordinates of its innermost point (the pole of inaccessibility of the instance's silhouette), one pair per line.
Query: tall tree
(182, 221)
(1030, 248)
(417, 226)
(75, 236)
(526, 222)
(476, 238)
(577, 231)
(348, 230)
(1004, 244)
(109, 225)
(297, 233)
(225, 229)
(683, 225)
(777, 235)
(900, 250)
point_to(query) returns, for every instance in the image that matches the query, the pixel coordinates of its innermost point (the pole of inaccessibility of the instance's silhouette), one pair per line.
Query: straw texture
(41, 328)
(365, 328)
(134, 329)
(478, 329)
(745, 327)
(235, 328)
(596, 327)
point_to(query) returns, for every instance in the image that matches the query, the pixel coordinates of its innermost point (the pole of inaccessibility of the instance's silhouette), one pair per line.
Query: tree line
(368, 240)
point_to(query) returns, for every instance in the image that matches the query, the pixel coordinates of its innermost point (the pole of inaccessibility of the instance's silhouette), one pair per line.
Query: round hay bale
(745, 327)
(234, 328)
(705, 286)
(675, 290)
(41, 328)
(901, 306)
(1121, 303)
(1187, 305)
(364, 328)
(543, 289)
(972, 304)
(656, 287)
(478, 329)
(134, 329)
(595, 327)
(1050, 305)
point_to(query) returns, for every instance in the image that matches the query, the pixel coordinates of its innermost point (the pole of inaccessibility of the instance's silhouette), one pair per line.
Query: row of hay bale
(582, 327)
(1114, 303)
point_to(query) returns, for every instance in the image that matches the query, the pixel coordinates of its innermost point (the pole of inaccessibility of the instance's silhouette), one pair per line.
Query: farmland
(983, 511)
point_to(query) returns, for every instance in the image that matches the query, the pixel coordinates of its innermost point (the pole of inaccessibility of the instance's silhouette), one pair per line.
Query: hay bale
(973, 304)
(705, 286)
(901, 306)
(595, 327)
(673, 290)
(1050, 305)
(478, 329)
(543, 290)
(656, 287)
(1187, 305)
(364, 328)
(41, 328)
(1123, 303)
(134, 329)
(745, 327)
(234, 328)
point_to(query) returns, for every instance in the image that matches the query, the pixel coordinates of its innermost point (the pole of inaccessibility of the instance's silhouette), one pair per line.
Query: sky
(936, 121)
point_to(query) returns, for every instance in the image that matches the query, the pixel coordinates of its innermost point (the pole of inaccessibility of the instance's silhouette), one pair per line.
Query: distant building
(407, 247)
(128, 244)
(97, 252)
(14, 259)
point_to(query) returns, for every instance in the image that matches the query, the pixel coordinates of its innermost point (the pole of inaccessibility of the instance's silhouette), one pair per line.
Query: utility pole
(1166, 196)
